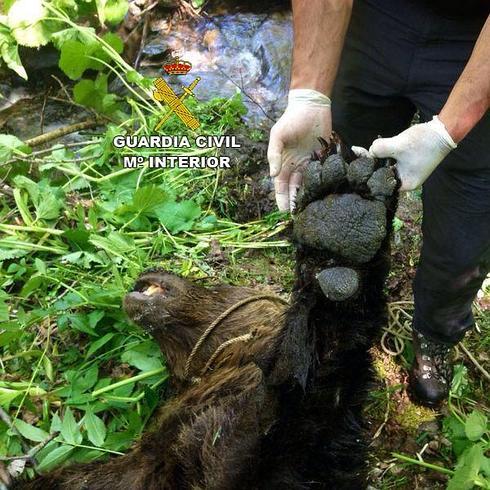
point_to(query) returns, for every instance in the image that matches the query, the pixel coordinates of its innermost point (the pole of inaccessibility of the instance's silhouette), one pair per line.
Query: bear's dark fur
(280, 406)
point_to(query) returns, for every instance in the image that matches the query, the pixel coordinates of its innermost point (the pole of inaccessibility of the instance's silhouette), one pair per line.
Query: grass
(77, 230)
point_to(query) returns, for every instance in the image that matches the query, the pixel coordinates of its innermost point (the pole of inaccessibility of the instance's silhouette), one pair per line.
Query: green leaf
(475, 425)
(114, 41)
(9, 51)
(142, 361)
(70, 431)
(48, 208)
(112, 11)
(23, 182)
(4, 308)
(148, 198)
(96, 430)
(55, 423)
(54, 458)
(30, 432)
(10, 145)
(460, 381)
(95, 346)
(485, 466)
(6, 4)
(178, 216)
(73, 58)
(7, 396)
(467, 469)
(25, 19)
(31, 285)
(82, 34)
(48, 368)
(93, 93)
(115, 243)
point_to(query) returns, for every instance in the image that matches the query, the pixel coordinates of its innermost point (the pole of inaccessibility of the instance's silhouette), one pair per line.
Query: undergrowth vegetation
(77, 381)
(77, 229)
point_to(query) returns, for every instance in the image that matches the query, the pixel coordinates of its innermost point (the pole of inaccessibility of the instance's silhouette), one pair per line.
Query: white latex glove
(418, 151)
(292, 140)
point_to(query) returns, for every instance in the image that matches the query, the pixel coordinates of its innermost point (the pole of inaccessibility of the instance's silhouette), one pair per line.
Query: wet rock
(346, 225)
(339, 283)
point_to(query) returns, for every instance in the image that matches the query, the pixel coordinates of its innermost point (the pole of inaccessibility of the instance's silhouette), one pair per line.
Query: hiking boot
(431, 372)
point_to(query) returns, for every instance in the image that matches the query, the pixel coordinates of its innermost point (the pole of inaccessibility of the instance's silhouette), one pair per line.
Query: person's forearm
(470, 98)
(319, 31)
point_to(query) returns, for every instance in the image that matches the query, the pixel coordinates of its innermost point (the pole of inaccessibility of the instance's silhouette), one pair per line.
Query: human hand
(293, 139)
(418, 151)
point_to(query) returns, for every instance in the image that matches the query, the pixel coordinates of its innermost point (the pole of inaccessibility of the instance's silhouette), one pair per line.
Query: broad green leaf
(93, 93)
(467, 469)
(31, 285)
(7, 396)
(86, 455)
(142, 361)
(84, 259)
(70, 431)
(48, 208)
(12, 254)
(146, 356)
(178, 216)
(94, 317)
(475, 425)
(10, 145)
(9, 51)
(147, 198)
(81, 381)
(73, 58)
(25, 19)
(40, 266)
(119, 441)
(30, 432)
(55, 423)
(54, 458)
(114, 41)
(95, 346)
(6, 4)
(112, 11)
(115, 243)
(485, 466)
(96, 430)
(81, 34)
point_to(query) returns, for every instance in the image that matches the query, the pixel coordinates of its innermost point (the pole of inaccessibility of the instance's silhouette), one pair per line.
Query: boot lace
(436, 359)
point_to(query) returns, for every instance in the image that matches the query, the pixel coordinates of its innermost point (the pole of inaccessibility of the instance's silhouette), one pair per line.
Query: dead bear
(267, 396)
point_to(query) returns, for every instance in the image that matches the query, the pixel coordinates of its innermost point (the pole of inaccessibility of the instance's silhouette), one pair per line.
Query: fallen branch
(472, 358)
(58, 133)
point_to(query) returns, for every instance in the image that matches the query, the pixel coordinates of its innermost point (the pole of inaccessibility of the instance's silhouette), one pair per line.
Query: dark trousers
(399, 58)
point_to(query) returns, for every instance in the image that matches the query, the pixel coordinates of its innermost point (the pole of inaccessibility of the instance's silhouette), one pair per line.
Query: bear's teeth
(153, 289)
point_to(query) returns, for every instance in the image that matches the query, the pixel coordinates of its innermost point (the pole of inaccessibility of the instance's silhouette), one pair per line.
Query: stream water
(246, 51)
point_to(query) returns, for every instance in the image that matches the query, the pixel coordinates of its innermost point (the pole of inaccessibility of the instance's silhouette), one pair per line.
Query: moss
(403, 412)
(412, 416)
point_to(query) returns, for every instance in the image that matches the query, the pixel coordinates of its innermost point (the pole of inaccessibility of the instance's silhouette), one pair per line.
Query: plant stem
(125, 382)
(430, 466)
